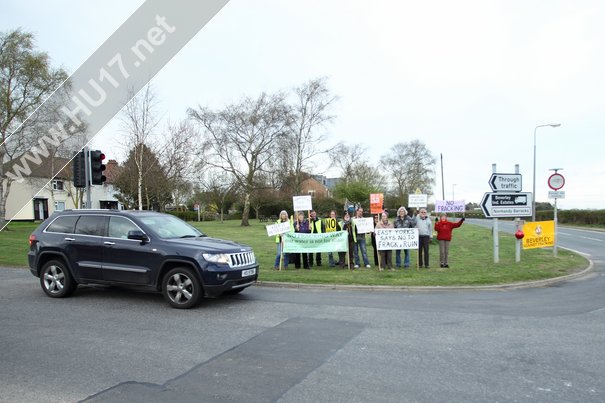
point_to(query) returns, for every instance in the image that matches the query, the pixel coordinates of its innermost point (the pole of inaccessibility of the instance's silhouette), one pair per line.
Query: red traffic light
(97, 167)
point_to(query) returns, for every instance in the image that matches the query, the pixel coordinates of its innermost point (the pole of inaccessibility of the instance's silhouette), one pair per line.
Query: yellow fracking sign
(539, 234)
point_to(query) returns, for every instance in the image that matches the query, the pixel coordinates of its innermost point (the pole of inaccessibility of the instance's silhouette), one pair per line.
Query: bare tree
(139, 121)
(219, 190)
(410, 167)
(264, 192)
(369, 174)
(310, 112)
(349, 158)
(240, 138)
(177, 159)
(26, 80)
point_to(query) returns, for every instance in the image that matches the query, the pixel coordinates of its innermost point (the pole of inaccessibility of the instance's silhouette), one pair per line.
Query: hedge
(580, 217)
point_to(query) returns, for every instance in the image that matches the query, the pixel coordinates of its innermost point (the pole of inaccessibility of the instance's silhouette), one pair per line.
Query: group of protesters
(357, 249)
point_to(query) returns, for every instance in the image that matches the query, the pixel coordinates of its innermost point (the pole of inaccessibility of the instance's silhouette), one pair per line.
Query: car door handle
(109, 243)
(70, 239)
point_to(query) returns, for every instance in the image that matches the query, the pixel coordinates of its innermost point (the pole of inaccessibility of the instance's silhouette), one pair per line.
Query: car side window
(64, 224)
(91, 225)
(119, 227)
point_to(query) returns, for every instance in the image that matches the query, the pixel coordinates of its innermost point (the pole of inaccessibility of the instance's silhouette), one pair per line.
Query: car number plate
(250, 272)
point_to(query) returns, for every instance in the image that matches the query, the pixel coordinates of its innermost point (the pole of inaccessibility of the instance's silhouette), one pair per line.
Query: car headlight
(216, 258)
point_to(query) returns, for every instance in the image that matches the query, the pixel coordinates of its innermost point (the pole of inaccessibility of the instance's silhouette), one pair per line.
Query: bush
(575, 216)
(192, 215)
(583, 217)
(184, 215)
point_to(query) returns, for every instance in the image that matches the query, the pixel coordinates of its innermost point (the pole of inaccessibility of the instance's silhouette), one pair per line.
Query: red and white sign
(376, 203)
(556, 181)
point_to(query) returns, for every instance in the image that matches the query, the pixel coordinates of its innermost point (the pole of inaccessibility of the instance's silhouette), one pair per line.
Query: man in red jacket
(444, 236)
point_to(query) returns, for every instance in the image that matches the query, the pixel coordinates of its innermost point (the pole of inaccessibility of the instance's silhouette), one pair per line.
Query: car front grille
(241, 259)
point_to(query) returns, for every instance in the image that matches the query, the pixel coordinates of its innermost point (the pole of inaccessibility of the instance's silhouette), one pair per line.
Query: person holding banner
(425, 235)
(373, 239)
(331, 225)
(316, 227)
(385, 255)
(403, 221)
(444, 230)
(301, 225)
(360, 245)
(283, 217)
(349, 226)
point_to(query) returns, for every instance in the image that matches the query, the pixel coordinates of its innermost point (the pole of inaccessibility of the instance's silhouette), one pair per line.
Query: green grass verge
(471, 259)
(14, 243)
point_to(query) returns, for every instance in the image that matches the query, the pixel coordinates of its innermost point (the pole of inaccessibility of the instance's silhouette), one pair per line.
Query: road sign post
(556, 181)
(506, 200)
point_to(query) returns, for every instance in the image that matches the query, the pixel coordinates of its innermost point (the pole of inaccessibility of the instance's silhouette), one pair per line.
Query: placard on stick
(302, 203)
(376, 203)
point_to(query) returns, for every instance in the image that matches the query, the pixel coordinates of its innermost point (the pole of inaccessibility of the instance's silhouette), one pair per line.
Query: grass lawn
(471, 259)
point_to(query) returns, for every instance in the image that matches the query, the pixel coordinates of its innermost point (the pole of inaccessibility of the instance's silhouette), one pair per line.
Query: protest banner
(539, 234)
(396, 238)
(449, 206)
(302, 203)
(295, 242)
(376, 203)
(364, 225)
(418, 200)
(280, 228)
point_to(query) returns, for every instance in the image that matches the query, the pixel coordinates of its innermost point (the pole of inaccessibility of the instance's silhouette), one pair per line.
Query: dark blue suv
(139, 249)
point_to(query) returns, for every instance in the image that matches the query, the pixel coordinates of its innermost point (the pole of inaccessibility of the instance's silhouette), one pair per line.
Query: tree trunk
(4, 191)
(147, 198)
(140, 190)
(246, 212)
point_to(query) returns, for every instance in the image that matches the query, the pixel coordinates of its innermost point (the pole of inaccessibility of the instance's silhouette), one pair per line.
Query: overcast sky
(470, 79)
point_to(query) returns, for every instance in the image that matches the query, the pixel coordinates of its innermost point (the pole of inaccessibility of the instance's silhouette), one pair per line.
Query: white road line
(579, 236)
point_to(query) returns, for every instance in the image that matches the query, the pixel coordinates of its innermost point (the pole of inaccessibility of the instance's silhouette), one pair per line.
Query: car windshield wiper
(189, 236)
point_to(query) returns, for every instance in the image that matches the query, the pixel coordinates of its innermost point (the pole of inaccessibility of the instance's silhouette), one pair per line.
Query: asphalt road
(295, 345)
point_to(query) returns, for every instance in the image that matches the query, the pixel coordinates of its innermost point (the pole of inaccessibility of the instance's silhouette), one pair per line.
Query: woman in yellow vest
(331, 225)
(316, 227)
(283, 217)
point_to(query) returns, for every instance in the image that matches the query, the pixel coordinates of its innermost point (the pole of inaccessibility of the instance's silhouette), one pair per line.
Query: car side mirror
(138, 235)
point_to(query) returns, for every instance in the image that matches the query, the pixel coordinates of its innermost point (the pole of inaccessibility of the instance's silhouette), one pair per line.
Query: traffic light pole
(88, 177)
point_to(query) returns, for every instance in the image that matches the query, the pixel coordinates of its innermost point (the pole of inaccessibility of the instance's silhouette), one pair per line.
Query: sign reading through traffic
(505, 182)
(506, 204)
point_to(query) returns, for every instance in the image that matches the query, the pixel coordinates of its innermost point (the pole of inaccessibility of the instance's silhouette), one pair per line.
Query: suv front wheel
(55, 279)
(181, 288)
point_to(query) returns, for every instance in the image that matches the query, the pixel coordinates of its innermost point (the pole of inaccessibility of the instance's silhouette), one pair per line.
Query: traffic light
(79, 169)
(97, 167)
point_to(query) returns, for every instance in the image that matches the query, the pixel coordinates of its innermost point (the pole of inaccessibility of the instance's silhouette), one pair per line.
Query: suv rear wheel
(181, 288)
(55, 279)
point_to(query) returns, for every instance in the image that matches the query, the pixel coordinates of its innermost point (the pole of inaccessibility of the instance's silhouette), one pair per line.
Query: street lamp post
(533, 203)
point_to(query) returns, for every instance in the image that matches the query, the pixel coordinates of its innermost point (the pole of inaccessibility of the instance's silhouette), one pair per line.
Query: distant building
(330, 183)
(37, 197)
(316, 189)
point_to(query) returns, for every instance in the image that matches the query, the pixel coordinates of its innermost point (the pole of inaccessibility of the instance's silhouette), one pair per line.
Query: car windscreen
(166, 226)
